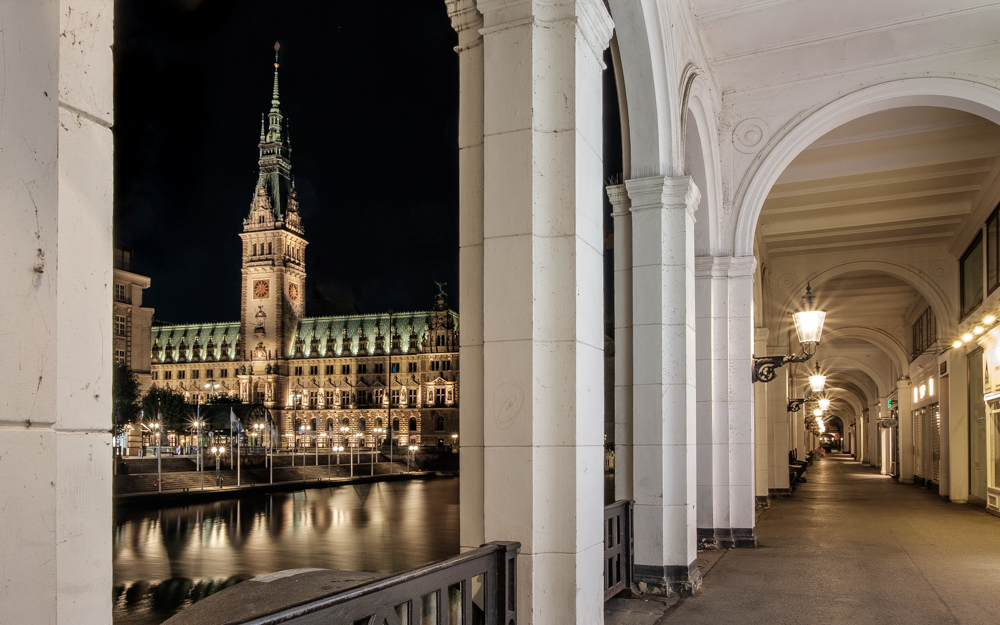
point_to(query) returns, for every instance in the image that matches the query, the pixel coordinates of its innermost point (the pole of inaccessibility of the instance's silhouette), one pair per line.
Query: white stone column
(467, 21)
(777, 430)
(664, 374)
(905, 431)
(620, 206)
(712, 400)
(56, 190)
(761, 446)
(742, 503)
(958, 425)
(543, 302)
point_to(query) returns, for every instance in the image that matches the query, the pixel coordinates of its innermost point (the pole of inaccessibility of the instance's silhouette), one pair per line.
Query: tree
(124, 397)
(177, 413)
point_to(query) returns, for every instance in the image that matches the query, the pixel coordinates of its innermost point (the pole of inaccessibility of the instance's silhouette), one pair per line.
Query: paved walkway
(851, 546)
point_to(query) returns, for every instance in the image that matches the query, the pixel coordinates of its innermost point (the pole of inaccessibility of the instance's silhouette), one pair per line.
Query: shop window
(993, 251)
(972, 276)
(924, 333)
(977, 428)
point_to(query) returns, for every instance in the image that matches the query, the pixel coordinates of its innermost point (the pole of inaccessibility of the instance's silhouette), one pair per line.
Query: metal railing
(477, 586)
(619, 554)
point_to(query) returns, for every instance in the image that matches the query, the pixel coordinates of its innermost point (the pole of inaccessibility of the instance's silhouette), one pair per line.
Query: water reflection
(167, 558)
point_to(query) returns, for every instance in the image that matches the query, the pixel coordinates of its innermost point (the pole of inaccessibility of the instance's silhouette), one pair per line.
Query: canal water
(167, 558)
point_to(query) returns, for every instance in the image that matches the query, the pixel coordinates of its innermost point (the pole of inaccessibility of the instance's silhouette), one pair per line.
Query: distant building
(131, 321)
(319, 374)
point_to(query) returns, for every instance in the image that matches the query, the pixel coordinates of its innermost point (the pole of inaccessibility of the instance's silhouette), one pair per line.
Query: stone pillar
(467, 21)
(664, 375)
(777, 430)
(712, 401)
(944, 398)
(958, 425)
(761, 446)
(56, 190)
(543, 303)
(741, 417)
(620, 211)
(905, 431)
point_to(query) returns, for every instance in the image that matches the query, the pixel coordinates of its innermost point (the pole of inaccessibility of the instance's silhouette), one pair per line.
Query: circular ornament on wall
(787, 281)
(749, 134)
(940, 270)
(899, 331)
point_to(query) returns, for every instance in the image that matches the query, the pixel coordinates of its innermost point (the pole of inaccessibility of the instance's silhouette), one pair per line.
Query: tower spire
(274, 95)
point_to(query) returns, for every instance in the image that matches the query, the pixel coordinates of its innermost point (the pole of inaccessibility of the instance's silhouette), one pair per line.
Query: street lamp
(808, 328)
(409, 456)
(218, 451)
(212, 385)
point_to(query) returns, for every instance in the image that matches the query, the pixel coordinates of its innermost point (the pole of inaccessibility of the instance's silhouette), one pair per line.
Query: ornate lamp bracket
(764, 366)
(794, 405)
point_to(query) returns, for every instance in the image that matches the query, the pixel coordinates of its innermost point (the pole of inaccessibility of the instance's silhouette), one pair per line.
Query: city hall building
(316, 375)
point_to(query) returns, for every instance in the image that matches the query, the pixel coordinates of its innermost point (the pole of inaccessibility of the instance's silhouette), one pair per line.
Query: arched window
(260, 219)
(361, 424)
(268, 247)
(378, 422)
(395, 424)
(298, 424)
(440, 424)
(254, 249)
(413, 424)
(312, 424)
(346, 422)
(329, 425)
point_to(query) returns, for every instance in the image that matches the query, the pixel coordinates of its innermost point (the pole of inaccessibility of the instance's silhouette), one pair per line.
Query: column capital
(761, 334)
(466, 20)
(724, 266)
(903, 383)
(618, 196)
(591, 17)
(659, 192)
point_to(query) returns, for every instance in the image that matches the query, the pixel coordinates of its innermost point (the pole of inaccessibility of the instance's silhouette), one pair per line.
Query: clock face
(261, 289)
(293, 291)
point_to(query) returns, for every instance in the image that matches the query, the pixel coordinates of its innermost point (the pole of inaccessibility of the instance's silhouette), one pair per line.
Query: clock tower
(274, 270)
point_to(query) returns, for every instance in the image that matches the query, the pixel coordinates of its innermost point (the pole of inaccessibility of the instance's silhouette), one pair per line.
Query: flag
(234, 423)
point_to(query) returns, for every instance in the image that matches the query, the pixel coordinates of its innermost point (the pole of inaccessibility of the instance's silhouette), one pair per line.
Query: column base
(727, 538)
(763, 502)
(779, 492)
(669, 581)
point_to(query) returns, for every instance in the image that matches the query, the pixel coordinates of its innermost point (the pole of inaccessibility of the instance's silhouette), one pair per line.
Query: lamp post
(808, 328)
(409, 456)
(357, 443)
(376, 436)
(218, 451)
(340, 448)
(201, 469)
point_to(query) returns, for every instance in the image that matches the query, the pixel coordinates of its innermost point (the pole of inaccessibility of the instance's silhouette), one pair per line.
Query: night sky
(371, 94)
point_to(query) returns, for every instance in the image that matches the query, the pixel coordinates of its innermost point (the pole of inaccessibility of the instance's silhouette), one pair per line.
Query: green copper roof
(356, 326)
(195, 343)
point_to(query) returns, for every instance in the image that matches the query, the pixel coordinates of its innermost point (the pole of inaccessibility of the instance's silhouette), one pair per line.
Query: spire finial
(262, 128)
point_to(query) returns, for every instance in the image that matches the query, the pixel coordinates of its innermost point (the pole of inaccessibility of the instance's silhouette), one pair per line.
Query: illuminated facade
(316, 375)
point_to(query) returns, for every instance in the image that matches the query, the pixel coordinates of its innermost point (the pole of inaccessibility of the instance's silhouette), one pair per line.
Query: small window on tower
(254, 249)
(268, 247)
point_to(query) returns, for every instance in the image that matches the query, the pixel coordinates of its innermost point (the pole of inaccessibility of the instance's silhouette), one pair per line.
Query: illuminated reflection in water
(167, 558)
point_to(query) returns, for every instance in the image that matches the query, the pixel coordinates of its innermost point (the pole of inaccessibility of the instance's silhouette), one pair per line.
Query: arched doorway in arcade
(891, 216)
